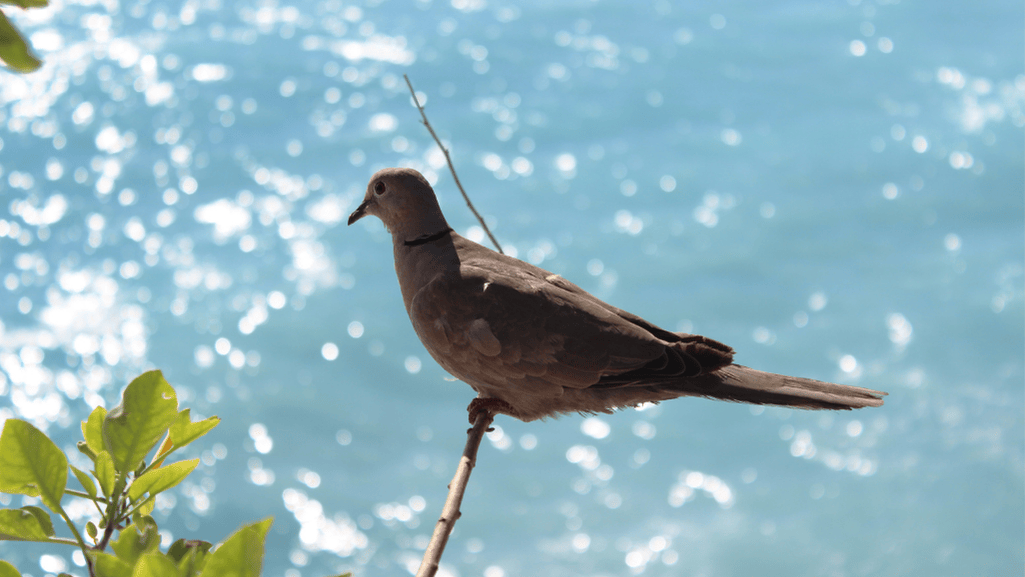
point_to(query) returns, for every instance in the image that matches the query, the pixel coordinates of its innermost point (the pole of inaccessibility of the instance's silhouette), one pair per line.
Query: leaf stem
(78, 538)
(85, 495)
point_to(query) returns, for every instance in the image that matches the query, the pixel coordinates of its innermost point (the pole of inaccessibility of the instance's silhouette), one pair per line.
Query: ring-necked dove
(534, 345)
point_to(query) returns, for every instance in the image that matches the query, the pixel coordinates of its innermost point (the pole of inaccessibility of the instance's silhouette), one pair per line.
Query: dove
(534, 345)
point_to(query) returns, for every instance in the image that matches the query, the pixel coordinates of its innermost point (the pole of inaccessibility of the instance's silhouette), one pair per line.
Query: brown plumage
(534, 345)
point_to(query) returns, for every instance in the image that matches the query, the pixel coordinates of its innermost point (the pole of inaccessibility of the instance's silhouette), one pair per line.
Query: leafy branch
(122, 486)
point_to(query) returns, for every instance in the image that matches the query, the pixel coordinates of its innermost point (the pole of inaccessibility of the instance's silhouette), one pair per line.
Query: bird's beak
(360, 212)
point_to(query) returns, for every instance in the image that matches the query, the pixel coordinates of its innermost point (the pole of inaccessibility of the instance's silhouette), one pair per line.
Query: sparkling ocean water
(834, 188)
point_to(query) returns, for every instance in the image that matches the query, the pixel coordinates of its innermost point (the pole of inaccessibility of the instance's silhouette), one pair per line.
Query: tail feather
(746, 385)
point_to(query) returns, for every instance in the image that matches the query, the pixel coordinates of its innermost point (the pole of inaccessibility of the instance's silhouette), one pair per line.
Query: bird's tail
(746, 385)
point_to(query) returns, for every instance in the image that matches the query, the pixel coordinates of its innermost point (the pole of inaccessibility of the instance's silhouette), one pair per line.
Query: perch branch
(451, 166)
(450, 512)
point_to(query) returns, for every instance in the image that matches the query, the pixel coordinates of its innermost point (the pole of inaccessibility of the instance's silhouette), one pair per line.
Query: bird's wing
(503, 322)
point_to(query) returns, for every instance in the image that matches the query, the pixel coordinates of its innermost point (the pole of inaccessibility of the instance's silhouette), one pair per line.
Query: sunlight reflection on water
(176, 178)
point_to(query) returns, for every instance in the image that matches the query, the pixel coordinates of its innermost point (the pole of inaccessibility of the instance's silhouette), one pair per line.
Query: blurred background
(834, 188)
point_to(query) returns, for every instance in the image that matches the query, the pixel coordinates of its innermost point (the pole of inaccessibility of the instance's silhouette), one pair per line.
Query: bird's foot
(488, 405)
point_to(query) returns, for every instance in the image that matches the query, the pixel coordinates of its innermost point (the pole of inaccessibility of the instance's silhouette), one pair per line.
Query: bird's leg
(489, 405)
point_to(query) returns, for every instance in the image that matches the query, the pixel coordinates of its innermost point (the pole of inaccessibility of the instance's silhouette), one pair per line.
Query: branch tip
(451, 167)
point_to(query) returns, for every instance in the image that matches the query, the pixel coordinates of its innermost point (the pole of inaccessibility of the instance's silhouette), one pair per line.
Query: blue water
(833, 188)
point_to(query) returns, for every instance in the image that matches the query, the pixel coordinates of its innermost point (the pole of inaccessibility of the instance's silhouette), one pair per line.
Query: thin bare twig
(457, 488)
(450, 512)
(451, 167)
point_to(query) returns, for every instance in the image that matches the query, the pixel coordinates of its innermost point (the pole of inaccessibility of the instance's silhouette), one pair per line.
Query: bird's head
(404, 201)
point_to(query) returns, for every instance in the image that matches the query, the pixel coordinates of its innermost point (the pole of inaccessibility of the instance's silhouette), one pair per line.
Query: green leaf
(26, 3)
(131, 544)
(190, 555)
(166, 446)
(184, 431)
(105, 473)
(42, 516)
(90, 529)
(145, 522)
(107, 565)
(161, 479)
(30, 464)
(92, 429)
(8, 570)
(241, 554)
(14, 51)
(83, 448)
(85, 480)
(25, 524)
(155, 565)
(145, 509)
(133, 428)
(182, 547)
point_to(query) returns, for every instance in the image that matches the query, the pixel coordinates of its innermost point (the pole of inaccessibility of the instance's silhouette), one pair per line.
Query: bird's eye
(378, 187)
